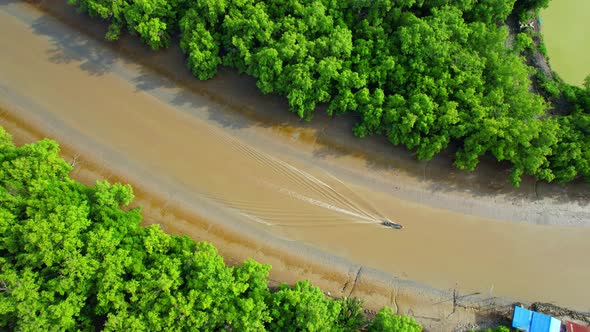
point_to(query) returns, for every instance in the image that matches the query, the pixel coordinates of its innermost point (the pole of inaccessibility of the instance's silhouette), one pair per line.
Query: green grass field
(566, 27)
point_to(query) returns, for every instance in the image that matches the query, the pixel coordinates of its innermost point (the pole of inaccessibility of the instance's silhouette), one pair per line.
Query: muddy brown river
(219, 162)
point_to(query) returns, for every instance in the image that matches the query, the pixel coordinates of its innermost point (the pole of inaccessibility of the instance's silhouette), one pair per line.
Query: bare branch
(75, 160)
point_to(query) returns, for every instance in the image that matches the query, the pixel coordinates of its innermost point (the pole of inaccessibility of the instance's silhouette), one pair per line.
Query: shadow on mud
(243, 106)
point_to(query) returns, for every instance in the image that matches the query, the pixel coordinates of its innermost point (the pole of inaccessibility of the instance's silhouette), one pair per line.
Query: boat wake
(342, 205)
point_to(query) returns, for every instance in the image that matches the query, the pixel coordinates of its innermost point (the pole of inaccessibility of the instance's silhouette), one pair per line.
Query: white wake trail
(323, 204)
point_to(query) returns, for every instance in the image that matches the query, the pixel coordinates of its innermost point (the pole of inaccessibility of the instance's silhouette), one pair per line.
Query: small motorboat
(390, 224)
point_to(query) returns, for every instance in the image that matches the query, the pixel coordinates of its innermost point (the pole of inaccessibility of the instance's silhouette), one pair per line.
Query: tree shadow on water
(70, 47)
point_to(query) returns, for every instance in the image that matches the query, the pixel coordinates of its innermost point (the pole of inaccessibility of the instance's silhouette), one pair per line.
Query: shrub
(387, 321)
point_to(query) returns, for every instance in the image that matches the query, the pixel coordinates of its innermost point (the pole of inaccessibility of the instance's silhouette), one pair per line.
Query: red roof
(573, 327)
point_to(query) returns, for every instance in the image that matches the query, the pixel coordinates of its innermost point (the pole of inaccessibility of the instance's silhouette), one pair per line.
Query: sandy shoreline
(484, 193)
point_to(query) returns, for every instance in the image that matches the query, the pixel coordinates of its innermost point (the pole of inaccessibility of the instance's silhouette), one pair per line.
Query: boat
(390, 224)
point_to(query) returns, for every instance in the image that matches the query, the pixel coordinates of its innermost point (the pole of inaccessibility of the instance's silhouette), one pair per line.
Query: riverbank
(163, 137)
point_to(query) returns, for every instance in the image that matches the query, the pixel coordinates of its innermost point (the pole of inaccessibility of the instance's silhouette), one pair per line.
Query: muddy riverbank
(259, 183)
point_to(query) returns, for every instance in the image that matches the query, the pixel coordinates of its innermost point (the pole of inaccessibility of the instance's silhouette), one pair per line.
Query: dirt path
(257, 183)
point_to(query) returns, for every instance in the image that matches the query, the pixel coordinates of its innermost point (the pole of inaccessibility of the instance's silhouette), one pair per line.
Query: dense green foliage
(522, 6)
(386, 321)
(72, 259)
(570, 155)
(497, 329)
(422, 73)
(572, 152)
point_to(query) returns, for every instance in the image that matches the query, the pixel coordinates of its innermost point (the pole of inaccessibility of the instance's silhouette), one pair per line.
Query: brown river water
(219, 162)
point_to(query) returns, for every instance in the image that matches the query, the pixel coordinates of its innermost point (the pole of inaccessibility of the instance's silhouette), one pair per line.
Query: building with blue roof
(531, 321)
(522, 319)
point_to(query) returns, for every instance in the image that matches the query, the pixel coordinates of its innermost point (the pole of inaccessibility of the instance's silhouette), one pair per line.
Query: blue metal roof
(531, 321)
(540, 322)
(522, 318)
(555, 325)
(544, 323)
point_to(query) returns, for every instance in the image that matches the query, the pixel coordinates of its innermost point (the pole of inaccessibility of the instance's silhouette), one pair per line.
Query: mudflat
(217, 161)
